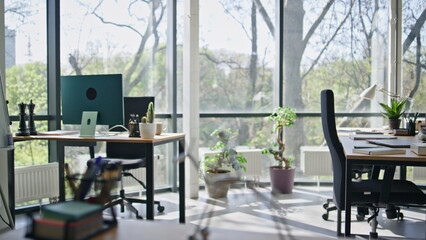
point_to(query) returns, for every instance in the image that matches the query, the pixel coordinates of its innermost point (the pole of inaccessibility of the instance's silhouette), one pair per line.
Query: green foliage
(395, 109)
(281, 117)
(143, 119)
(150, 113)
(25, 83)
(227, 156)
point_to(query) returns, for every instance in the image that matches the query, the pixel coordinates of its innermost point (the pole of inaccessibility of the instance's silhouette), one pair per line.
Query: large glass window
(26, 57)
(127, 37)
(26, 71)
(237, 56)
(413, 50)
(341, 46)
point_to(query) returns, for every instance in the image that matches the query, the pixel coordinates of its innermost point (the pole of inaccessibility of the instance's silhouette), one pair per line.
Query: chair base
(122, 200)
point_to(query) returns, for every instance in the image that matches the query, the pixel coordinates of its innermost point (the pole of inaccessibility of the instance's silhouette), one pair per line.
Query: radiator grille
(315, 161)
(36, 182)
(419, 173)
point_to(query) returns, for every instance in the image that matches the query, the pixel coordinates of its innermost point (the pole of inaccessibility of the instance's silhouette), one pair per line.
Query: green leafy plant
(281, 117)
(395, 109)
(227, 156)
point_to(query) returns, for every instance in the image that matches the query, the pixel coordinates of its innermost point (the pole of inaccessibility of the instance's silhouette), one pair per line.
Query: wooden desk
(407, 159)
(148, 144)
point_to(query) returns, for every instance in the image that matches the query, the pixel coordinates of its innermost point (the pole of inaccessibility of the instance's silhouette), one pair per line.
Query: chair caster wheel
(325, 216)
(160, 208)
(374, 235)
(325, 205)
(400, 216)
(360, 217)
(138, 217)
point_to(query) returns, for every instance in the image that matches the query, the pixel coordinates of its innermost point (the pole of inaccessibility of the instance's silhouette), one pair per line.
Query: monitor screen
(101, 93)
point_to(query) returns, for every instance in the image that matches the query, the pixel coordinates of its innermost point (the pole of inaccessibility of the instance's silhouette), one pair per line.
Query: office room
(213, 119)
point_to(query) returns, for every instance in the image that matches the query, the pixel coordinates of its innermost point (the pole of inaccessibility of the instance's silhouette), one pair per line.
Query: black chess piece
(22, 130)
(134, 126)
(31, 125)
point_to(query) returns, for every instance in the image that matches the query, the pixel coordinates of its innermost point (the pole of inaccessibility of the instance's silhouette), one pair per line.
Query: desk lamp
(370, 93)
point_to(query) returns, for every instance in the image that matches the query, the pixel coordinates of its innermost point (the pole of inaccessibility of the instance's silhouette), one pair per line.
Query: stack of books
(72, 220)
(418, 148)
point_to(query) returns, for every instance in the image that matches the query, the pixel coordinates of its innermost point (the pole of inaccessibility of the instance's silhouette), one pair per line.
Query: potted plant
(282, 175)
(217, 168)
(393, 112)
(147, 126)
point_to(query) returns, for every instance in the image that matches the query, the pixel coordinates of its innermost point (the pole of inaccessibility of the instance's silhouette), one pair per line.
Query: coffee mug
(159, 128)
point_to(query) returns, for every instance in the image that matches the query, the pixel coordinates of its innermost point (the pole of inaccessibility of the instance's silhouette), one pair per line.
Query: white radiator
(253, 166)
(315, 161)
(419, 173)
(36, 182)
(140, 173)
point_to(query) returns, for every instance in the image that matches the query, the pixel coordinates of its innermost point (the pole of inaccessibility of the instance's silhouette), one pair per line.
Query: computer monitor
(92, 93)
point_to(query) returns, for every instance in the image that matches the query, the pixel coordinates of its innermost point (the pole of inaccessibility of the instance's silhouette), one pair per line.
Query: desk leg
(11, 180)
(348, 184)
(149, 150)
(60, 156)
(182, 183)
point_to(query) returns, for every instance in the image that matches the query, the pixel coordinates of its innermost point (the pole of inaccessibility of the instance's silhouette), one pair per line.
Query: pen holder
(411, 126)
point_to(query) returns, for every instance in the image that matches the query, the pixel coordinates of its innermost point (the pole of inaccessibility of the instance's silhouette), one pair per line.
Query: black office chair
(372, 193)
(130, 155)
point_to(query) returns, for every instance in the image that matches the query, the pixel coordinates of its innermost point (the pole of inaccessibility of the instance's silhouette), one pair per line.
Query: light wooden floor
(297, 214)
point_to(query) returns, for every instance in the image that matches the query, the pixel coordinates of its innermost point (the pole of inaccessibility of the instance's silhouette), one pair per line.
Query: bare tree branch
(418, 68)
(328, 42)
(237, 20)
(155, 25)
(113, 23)
(317, 23)
(415, 30)
(265, 17)
(230, 63)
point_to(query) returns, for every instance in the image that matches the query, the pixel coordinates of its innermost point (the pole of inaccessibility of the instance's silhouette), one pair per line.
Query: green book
(70, 211)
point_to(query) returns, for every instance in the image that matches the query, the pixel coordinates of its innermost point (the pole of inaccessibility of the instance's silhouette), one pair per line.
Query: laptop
(393, 143)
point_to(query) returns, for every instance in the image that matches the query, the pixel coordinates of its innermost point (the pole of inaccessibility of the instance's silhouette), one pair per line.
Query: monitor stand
(88, 124)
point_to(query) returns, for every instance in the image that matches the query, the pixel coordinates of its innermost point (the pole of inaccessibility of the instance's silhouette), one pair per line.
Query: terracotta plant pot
(215, 187)
(394, 123)
(282, 179)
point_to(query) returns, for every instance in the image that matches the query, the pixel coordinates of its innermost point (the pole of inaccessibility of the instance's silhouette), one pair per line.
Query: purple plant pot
(282, 179)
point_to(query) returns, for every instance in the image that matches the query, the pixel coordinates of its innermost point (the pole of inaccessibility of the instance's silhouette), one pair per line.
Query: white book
(378, 151)
(418, 148)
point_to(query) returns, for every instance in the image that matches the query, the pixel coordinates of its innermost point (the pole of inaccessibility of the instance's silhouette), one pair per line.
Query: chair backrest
(132, 105)
(336, 149)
